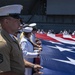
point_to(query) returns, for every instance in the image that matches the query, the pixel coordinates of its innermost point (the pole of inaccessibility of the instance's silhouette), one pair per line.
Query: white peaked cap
(10, 9)
(32, 24)
(23, 25)
(27, 29)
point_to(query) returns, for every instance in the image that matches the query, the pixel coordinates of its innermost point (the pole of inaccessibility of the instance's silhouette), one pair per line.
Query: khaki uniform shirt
(11, 58)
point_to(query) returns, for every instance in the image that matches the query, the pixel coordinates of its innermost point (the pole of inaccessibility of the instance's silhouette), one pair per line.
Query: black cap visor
(16, 16)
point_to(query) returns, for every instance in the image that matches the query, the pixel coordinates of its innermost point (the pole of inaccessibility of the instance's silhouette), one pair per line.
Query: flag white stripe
(62, 40)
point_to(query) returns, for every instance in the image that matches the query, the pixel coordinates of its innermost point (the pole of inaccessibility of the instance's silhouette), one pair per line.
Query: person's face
(27, 34)
(34, 31)
(13, 24)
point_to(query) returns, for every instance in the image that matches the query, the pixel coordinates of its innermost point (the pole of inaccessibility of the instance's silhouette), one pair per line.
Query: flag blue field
(58, 54)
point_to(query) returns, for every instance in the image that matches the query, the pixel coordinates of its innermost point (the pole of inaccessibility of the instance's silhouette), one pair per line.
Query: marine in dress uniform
(11, 58)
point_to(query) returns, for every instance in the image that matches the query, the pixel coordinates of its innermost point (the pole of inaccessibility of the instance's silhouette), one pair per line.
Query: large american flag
(58, 54)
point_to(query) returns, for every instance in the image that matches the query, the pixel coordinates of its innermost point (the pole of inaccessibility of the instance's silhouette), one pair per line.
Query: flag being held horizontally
(58, 55)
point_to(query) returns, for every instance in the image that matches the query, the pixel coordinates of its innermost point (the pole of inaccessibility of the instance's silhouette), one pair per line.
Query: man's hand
(37, 67)
(39, 46)
(40, 49)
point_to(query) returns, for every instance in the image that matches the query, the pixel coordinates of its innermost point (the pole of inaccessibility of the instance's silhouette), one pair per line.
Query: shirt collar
(12, 36)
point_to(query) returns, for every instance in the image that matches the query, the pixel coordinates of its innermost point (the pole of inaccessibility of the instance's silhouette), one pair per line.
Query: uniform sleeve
(32, 55)
(4, 57)
(26, 53)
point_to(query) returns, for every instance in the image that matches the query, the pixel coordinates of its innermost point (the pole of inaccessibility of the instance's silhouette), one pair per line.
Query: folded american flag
(58, 54)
